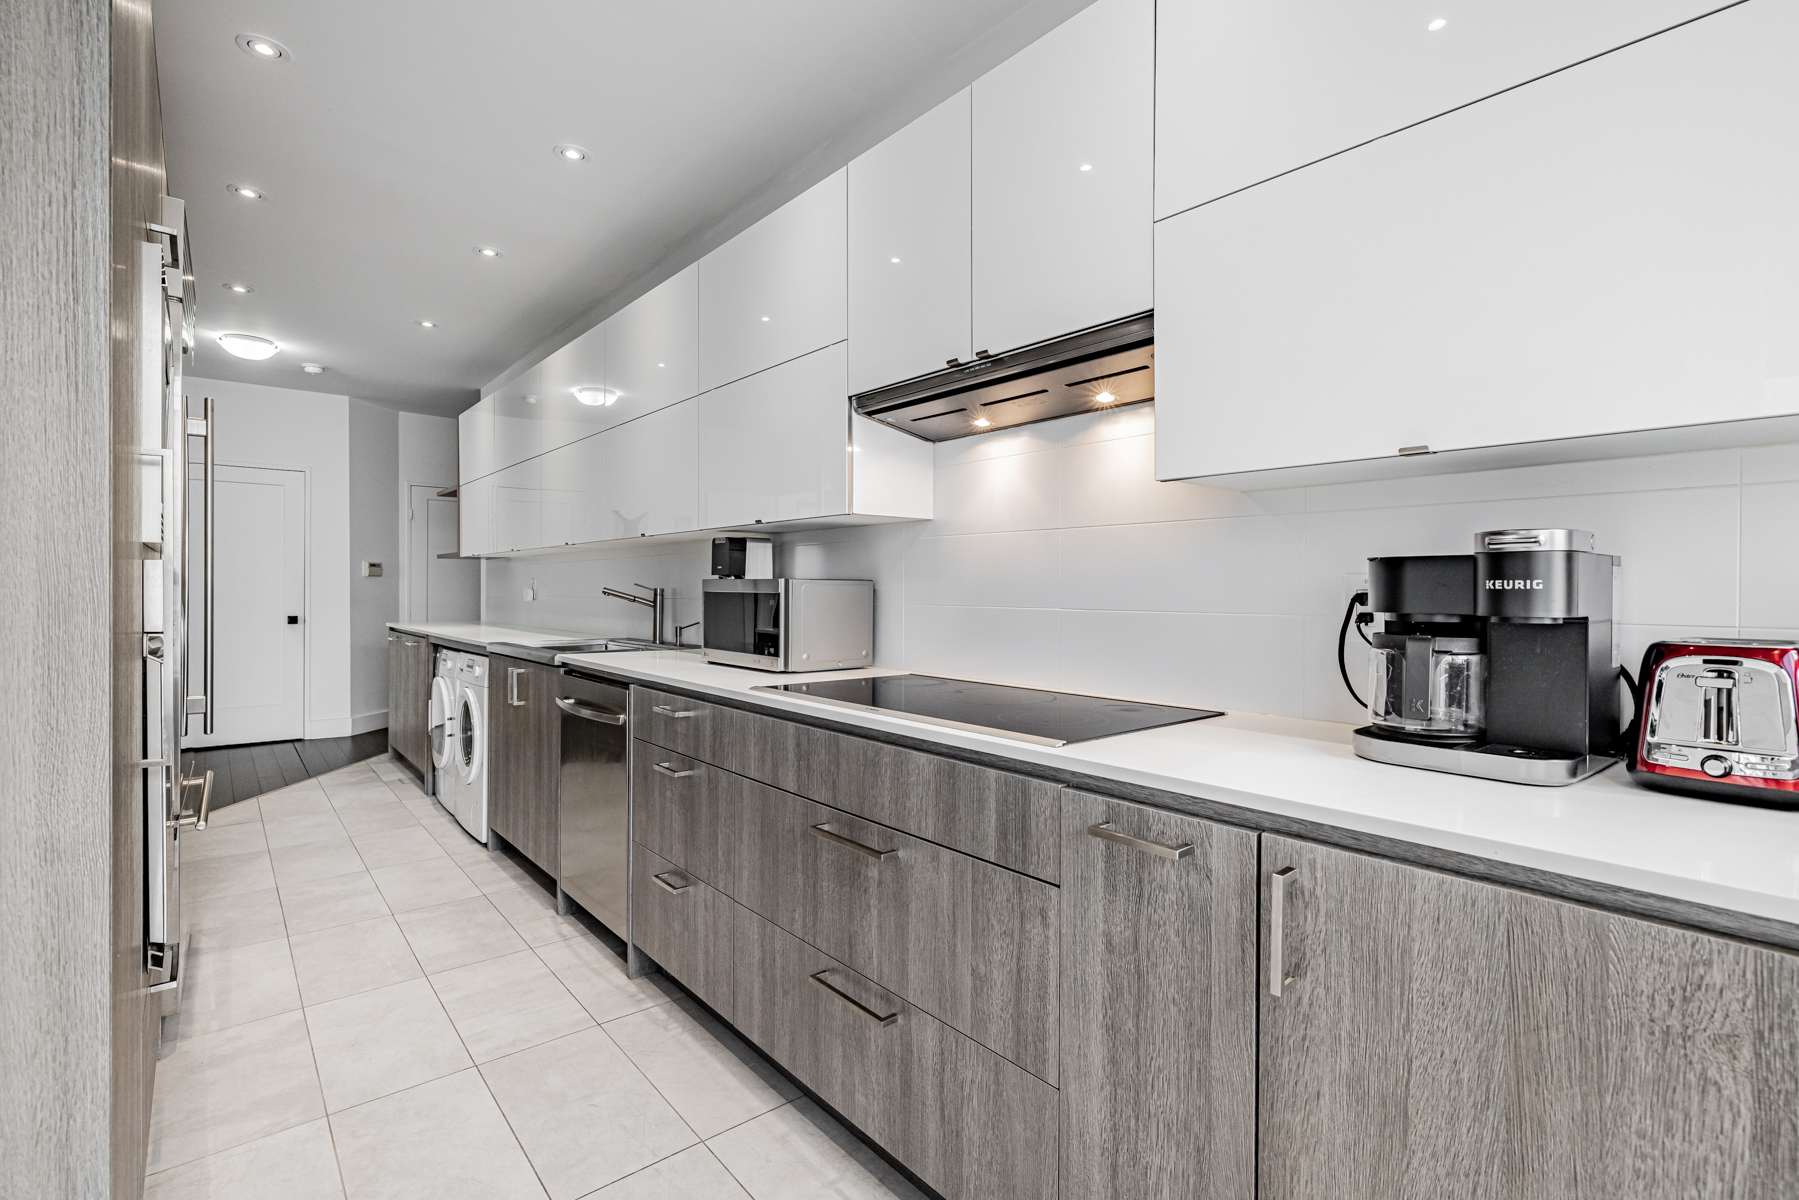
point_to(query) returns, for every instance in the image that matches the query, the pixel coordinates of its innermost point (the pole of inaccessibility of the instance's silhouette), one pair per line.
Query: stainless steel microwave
(789, 624)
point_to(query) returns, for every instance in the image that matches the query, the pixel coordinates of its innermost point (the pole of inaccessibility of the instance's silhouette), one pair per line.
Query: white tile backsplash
(1057, 560)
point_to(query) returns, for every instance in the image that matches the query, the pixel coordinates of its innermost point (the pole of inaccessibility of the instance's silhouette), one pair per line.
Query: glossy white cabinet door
(1247, 89)
(1063, 179)
(651, 467)
(573, 495)
(518, 506)
(909, 253)
(1611, 248)
(776, 290)
(495, 433)
(653, 347)
(474, 517)
(775, 446)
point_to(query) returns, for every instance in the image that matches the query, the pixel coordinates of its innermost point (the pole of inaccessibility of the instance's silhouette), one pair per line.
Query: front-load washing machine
(441, 722)
(470, 758)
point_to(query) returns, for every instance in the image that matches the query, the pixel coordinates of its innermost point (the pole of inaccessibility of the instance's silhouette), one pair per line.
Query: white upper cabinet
(573, 492)
(775, 446)
(909, 255)
(653, 347)
(651, 468)
(1606, 250)
(1248, 89)
(776, 290)
(474, 517)
(1063, 179)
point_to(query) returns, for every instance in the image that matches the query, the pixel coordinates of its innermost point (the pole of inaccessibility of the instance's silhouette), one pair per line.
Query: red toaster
(1715, 718)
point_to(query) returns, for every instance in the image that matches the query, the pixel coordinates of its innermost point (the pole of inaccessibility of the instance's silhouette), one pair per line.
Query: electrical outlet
(1353, 582)
(531, 591)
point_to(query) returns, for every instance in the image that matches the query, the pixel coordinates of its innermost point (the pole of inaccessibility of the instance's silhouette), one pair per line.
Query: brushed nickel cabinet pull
(667, 711)
(1278, 978)
(663, 883)
(1105, 833)
(830, 835)
(512, 674)
(668, 769)
(890, 1019)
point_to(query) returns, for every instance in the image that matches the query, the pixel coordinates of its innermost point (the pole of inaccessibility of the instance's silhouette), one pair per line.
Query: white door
(259, 635)
(437, 589)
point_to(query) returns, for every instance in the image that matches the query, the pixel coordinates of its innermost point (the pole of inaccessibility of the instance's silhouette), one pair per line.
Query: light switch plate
(371, 569)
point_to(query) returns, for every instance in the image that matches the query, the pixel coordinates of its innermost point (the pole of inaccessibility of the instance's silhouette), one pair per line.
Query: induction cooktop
(1024, 714)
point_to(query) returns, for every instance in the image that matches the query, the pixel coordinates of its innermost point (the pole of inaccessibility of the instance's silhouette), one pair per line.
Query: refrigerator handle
(201, 427)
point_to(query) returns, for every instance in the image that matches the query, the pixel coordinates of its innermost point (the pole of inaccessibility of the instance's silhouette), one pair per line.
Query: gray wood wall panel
(1158, 1007)
(525, 750)
(1447, 1037)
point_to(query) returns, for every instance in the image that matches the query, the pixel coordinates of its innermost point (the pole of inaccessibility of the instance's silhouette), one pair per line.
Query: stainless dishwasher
(594, 847)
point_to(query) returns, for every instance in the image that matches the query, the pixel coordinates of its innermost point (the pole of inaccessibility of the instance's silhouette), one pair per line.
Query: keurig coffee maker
(1499, 663)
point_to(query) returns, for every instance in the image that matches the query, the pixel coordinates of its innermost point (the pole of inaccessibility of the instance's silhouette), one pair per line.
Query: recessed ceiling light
(241, 289)
(893, 260)
(1104, 398)
(1436, 24)
(981, 422)
(597, 396)
(1086, 166)
(429, 324)
(487, 252)
(571, 153)
(765, 318)
(246, 345)
(662, 364)
(312, 368)
(259, 47)
(245, 192)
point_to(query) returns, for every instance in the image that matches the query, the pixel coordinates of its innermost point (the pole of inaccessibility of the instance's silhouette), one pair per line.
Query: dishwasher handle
(587, 713)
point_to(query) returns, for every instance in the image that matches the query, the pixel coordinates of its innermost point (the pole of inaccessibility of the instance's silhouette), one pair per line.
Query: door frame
(406, 581)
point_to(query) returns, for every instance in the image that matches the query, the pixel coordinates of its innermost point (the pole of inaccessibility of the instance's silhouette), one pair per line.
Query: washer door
(443, 721)
(471, 734)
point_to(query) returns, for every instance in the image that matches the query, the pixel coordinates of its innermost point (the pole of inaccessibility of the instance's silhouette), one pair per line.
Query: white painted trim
(368, 722)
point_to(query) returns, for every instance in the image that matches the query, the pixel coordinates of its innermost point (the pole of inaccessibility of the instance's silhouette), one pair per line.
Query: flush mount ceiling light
(597, 396)
(571, 153)
(530, 399)
(241, 289)
(265, 49)
(312, 368)
(428, 324)
(487, 252)
(1436, 25)
(246, 345)
(244, 191)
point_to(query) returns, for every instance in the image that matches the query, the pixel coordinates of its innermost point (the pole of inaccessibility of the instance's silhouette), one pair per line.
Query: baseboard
(367, 722)
(336, 727)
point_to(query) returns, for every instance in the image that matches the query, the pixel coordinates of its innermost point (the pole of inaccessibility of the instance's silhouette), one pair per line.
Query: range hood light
(1104, 398)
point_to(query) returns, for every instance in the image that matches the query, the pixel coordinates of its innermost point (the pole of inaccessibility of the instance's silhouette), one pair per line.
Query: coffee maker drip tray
(1484, 760)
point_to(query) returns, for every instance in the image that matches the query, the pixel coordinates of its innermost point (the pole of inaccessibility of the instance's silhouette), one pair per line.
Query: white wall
(427, 450)
(375, 510)
(303, 431)
(568, 588)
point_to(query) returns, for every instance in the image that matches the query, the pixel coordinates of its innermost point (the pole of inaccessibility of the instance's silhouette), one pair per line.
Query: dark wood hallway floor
(240, 772)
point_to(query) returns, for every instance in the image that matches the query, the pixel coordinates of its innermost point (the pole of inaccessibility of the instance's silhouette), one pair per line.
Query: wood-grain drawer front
(1004, 818)
(973, 944)
(686, 811)
(966, 1121)
(685, 926)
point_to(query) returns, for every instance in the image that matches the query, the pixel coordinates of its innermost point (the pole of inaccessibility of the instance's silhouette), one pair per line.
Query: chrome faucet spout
(654, 602)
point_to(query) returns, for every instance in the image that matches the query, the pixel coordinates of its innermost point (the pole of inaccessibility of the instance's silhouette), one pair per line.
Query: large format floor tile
(456, 934)
(219, 1090)
(295, 1164)
(216, 841)
(298, 800)
(377, 1043)
(389, 847)
(423, 884)
(532, 912)
(241, 919)
(506, 1004)
(376, 817)
(226, 875)
(334, 900)
(315, 860)
(713, 1080)
(244, 812)
(583, 1113)
(797, 1152)
(489, 871)
(225, 987)
(596, 977)
(693, 1174)
(443, 1140)
(302, 828)
(347, 959)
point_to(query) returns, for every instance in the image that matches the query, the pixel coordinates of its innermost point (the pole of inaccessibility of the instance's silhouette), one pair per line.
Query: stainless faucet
(653, 602)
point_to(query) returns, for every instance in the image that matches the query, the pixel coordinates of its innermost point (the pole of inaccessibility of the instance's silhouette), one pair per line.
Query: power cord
(1359, 600)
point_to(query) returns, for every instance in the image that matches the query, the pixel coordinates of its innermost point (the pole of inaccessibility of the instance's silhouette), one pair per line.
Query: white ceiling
(401, 134)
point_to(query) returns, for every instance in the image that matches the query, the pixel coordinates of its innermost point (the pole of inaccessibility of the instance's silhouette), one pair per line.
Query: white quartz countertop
(474, 631)
(1605, 829)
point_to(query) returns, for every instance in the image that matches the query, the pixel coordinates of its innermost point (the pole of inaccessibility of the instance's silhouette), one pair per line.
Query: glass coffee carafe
(1430, 688)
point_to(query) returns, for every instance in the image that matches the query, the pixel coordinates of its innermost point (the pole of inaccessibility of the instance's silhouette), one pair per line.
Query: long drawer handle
(891, 1018)
(663, 883)
(668, 769)
(831, 835)
(1278, 978)
(667, 711)
(1106, 833)
(589, 713)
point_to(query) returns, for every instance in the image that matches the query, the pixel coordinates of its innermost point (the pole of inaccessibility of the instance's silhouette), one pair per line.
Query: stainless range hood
(1108, 366)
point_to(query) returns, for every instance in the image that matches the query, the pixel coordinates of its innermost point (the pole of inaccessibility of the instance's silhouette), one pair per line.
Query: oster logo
(1514, 585)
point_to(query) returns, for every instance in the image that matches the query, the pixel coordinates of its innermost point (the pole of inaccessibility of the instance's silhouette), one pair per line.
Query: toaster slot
(1718, 719)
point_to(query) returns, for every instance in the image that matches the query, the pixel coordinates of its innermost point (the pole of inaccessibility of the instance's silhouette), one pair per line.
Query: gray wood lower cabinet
(686, 926)
(687, 811)
(1158, 1011)
(963, 1119)
(409, 671)
(524, 746)
(1440, 1037)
